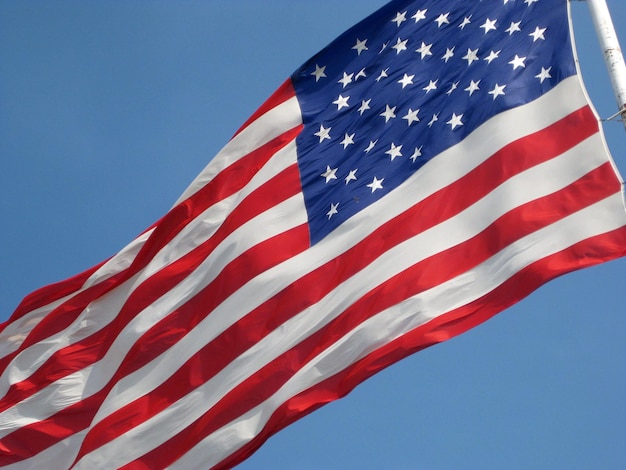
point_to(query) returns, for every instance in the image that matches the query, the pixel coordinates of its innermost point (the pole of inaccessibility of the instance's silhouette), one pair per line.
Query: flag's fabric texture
(432, 166)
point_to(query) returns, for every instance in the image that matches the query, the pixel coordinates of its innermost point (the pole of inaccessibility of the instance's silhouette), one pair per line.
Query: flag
(432, 166)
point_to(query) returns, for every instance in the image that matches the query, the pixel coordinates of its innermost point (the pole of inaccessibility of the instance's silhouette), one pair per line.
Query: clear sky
(108, 109)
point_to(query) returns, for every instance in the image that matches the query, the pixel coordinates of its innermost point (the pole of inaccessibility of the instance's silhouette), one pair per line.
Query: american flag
(432, 166)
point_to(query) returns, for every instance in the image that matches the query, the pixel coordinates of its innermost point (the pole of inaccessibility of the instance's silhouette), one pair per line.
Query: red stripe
(237, 273)
(49, 294)
(63, 316)
(214, 356)
(226, 183)
(587, 253)
(418, 278)
(34, 438)
(75, 418)
(91, 349)
(282, 94)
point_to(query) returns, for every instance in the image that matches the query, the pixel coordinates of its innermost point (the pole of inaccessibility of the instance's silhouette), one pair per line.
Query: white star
(432, 85)
(383, 74)
(411, 116)
(518, 62)
(329, 174)
(492, 56)
(360, 46)
(416, 154)
(448, 55)
(497, 91)
(507, 1)
(538, 33)
(342, 102)
(347, 140)
(351, 176)
(333, 210)
(473, 86)
(365, 105)
(442, 19)
(489, 25)
(400, 18)
(465, 22)
(433, 120)
(424, 49)
(545, 73)
(530, 2)
(394, 151)
(471, 56)
(385, 44)
(420, 15)
(453, 87)
(323, 133)
(513, 28)
(400, 46)
(319, 72)
(376, 184)
(371, 145)
(455, 121)
(406, 80)
(389, 113)
(346, 80)
(360, 74)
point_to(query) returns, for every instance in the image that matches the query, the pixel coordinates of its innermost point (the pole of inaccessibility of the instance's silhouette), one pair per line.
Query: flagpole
(612, 52)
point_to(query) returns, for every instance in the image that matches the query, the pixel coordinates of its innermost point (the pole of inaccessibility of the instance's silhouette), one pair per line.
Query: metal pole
(612, 53)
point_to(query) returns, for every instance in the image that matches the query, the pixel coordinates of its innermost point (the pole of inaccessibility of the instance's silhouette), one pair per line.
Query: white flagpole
(612, 52)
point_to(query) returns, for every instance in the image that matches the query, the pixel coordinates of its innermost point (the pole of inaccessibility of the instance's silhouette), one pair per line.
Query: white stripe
(267, 127)
(275, 221)
(84, 383)
(16, 332)
(101, 312)
(203, 227)
(402, 318)
(60, 455)
(120, 261)
(96, 316)
(447, 234)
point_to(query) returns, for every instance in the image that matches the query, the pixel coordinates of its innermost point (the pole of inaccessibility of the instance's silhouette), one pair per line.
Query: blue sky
(109, 109)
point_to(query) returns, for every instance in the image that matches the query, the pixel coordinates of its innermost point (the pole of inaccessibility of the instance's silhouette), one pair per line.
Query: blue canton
(410, 81)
